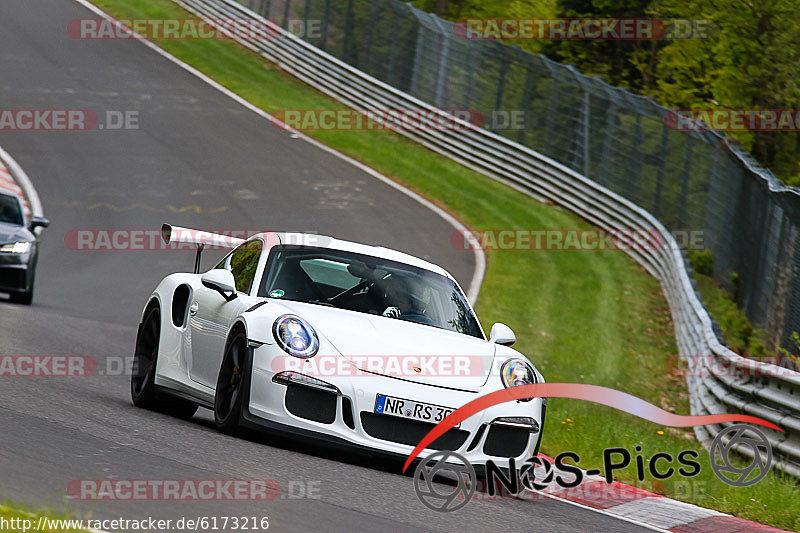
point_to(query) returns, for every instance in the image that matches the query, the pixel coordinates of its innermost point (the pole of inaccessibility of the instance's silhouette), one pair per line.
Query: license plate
(424, 412)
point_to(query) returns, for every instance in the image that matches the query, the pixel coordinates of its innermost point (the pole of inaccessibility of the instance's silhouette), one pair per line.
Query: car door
(212, 316)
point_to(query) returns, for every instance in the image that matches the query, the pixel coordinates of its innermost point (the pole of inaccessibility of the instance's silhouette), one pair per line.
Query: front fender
(258, 324)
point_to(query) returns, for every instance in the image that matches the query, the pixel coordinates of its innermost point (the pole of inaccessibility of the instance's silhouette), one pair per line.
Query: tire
(24, 298)
(232, 384)
(143, 388)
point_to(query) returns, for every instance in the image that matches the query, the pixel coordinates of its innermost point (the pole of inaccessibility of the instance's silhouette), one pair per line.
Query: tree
(750, 61)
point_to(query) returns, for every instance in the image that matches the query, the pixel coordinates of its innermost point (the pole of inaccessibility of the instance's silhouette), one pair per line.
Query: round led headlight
(516, 372)
(296, 336)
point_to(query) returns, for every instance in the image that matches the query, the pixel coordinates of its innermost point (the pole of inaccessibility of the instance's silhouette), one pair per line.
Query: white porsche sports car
(343, 343)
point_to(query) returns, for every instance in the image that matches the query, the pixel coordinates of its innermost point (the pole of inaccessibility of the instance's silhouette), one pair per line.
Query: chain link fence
(690, 180)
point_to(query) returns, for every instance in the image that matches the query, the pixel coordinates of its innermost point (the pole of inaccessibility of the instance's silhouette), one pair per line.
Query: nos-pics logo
(461, 479)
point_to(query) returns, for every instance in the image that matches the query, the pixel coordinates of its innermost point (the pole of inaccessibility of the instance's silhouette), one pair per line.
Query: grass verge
(14, 519)
(592, 317)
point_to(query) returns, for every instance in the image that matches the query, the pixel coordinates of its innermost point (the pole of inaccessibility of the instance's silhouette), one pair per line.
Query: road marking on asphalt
(112, 207)
(480, 258)
(197, 209)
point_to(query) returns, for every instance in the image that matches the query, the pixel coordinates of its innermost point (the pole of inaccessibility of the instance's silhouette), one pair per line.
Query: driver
(404, 297)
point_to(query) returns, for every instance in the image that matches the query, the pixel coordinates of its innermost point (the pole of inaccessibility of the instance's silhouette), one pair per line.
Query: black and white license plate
(424, 412)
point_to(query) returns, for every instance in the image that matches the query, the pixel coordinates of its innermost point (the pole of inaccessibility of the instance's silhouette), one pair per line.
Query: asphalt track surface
(195, 150)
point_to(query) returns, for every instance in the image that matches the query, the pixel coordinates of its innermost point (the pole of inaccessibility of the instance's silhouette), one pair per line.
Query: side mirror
(39, 222)
(222, 281)
(502, 334)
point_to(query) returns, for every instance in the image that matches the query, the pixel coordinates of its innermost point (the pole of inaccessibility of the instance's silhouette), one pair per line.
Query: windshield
(367, 284)
(10, 212)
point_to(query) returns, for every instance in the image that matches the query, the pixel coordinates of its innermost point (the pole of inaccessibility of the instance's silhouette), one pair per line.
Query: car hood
(401, 349)
(14, 233)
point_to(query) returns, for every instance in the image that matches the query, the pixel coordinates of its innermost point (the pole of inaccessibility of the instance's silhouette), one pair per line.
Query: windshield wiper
(320, 302)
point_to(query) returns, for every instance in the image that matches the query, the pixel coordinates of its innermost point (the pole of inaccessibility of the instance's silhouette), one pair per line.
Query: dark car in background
(19, 249)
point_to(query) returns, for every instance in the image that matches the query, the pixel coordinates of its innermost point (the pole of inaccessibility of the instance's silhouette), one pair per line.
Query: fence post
(660, 175)
(687, 165)
(551, 112)
(373, 14)
(501, 84)
(470, 75)
(286, 6)
(325, 19)
(714, 192)
(525, 105)
(586, 108)
(634, 166)
(405, 78)
(444, 56)
(348, 55)
(611, 113)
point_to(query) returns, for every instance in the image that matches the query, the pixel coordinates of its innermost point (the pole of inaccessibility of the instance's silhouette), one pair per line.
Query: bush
(741, 335)
(702, 261)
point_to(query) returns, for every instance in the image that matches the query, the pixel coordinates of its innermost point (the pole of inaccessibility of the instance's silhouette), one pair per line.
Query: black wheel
(24, 298)
(232, 383)
(143, 388)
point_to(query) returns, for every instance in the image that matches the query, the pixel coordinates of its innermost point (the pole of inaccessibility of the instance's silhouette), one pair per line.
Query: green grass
(580, 316)
(14, 519)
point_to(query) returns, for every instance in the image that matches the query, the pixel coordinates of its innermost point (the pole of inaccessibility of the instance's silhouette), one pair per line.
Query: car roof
(324, 241)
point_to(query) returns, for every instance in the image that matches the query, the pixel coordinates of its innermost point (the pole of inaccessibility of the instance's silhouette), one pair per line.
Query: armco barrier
(764, 390)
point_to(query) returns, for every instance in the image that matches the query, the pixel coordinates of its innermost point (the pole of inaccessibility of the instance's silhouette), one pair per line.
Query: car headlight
(516, 372)
(16, 248)
(295, 336)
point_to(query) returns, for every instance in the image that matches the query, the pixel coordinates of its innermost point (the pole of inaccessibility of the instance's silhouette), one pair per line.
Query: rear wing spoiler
(200, 238)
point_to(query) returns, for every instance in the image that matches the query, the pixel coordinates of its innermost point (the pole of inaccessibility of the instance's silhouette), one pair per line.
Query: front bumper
(16, 273)
(344, 415)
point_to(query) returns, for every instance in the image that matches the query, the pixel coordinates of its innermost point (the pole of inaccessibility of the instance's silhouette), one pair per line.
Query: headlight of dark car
(16, 248)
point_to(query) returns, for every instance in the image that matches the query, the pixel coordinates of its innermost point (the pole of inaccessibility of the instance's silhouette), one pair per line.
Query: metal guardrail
(730, 383)
(692, 180)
